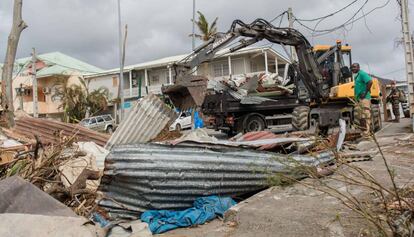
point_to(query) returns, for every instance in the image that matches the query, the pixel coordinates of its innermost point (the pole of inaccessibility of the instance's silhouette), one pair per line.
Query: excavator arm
(260, 29)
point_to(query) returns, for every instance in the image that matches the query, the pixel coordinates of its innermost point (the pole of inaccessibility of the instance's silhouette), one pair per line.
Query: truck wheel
(376, 117)
(254, 123)
(300, 118)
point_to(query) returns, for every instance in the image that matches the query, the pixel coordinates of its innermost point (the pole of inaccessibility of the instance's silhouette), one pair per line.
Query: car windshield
(84, 121)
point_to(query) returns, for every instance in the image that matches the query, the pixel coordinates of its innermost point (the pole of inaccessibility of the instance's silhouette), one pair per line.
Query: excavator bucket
(187, 92)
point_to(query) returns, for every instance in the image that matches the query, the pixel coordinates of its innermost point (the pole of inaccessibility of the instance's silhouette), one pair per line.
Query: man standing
(395, 97)
(362, 93)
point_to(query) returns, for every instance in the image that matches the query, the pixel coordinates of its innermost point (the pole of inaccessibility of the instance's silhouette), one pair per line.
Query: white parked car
(182, 122)
(101, 123)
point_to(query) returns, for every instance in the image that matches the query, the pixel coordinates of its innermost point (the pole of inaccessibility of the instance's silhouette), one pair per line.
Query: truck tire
(254, 123)
(376, 117)
(300, 118)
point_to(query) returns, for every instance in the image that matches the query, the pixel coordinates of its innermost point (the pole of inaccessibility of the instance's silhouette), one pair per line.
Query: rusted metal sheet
(252, 136)
(143, 123)
(51, 131)
(154, 176)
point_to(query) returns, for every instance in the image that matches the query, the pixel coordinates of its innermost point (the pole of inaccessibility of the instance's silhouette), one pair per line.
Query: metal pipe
(35, 99)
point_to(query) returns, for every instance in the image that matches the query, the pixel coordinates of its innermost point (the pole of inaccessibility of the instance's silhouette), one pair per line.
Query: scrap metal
(51, 131)
(143, 123)
(155, 176)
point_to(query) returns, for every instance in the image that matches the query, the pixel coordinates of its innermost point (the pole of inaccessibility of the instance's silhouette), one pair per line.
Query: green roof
(58, 64)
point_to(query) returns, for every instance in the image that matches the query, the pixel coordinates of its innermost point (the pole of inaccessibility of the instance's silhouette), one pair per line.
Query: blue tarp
(205, 209)
(198, 122)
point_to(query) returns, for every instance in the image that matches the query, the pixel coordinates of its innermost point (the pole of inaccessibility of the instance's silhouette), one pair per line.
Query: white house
(143, 78)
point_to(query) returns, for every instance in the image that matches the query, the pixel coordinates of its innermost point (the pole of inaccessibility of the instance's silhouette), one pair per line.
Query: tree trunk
(7, 90)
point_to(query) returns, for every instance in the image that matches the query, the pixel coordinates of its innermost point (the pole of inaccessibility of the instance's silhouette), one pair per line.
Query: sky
(88, 29)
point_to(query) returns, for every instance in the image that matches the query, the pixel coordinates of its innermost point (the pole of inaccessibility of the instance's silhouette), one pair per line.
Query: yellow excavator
(344, 90)
(323, 85)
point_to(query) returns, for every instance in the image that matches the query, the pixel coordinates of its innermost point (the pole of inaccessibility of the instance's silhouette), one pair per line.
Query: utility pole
(193, 36)
(21, 96)
(292, 48)
(121, 63)
(409, 58)
(34, 83)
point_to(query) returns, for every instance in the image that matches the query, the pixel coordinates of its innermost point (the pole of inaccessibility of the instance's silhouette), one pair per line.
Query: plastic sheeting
(205, 209)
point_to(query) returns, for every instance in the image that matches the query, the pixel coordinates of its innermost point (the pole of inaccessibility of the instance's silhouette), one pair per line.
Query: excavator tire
(300, 118)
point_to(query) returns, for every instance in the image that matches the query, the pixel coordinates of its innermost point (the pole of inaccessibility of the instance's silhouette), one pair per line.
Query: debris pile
(252, 88)
(61, 170)
(145, 167)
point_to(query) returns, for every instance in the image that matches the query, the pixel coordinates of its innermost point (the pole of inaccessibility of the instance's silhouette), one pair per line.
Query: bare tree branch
(7, 90)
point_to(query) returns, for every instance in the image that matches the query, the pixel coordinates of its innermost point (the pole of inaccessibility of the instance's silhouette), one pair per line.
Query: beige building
(52, 69)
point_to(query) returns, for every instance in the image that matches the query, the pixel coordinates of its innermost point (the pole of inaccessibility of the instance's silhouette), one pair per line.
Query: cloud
(158, 28)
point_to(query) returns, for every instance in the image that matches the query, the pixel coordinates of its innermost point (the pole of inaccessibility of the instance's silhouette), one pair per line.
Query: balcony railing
(134, 92)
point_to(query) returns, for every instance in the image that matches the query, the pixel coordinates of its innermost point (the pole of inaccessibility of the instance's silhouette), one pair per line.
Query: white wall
(105, 81)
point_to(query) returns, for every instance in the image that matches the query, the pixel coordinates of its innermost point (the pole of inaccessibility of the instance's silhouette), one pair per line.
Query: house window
(253, 66)
(155, 79)
(221, 69)
(115, 81)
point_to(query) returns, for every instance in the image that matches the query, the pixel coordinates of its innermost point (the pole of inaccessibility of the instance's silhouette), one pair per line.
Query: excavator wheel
(300, 118)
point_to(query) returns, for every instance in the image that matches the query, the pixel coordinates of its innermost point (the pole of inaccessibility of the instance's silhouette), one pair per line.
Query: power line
(394, 71)
(334, 28)
(280, 15)
(347, 22)
(331, 14)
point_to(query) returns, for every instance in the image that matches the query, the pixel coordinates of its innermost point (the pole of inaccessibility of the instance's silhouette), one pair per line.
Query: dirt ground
(299, 211)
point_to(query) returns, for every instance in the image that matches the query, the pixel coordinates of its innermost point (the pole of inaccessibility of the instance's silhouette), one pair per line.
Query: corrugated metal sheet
(143, 123)
(279, 140)
(251, 136)
(155, 176)
(49, 131)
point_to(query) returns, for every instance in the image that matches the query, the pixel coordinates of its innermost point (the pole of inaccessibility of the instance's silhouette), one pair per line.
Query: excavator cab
(343, 88)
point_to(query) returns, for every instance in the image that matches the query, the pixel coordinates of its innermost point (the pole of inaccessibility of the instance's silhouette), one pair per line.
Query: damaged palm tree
(78, 101)
(189, 90)
(7, 91)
